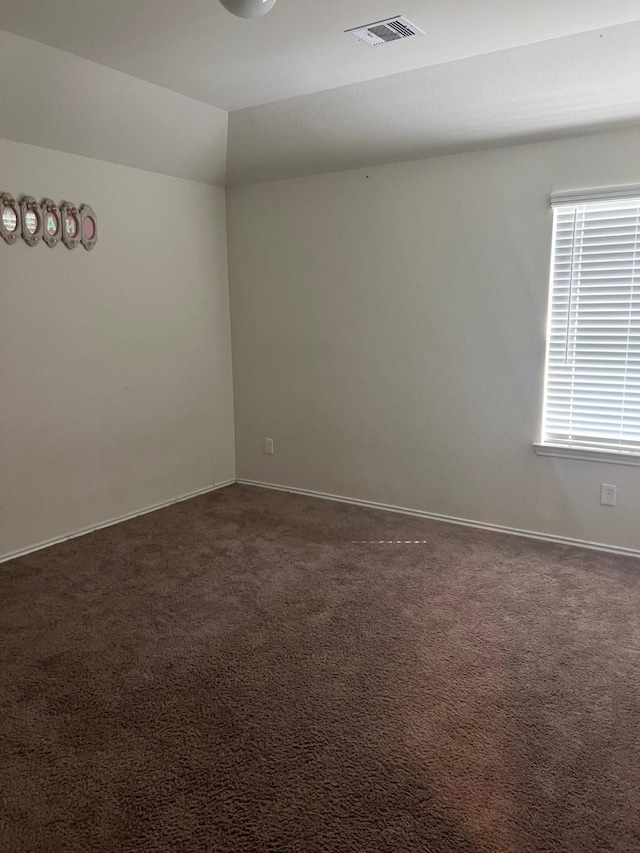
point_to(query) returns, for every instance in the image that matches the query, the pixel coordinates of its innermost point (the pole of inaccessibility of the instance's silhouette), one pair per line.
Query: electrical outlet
(268, 446)
(607, 495)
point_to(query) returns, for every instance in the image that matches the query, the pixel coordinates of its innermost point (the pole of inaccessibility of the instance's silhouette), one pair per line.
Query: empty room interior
(319, 426)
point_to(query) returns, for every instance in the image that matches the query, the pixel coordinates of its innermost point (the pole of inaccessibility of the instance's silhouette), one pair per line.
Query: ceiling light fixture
(248, 8)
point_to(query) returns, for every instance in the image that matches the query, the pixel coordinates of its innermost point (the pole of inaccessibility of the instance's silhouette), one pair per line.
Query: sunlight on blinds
(592, 387)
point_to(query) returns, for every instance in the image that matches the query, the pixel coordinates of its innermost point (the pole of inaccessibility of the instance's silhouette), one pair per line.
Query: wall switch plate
(268, 446)
(607, 495)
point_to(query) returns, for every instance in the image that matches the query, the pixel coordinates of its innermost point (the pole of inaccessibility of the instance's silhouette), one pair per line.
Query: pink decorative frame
(50, 208)
(86, 221)
(87, 213)
(67, 208)
(7, 200)
(30, 205)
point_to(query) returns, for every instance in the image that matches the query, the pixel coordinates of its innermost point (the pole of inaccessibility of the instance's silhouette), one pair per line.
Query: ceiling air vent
(384, 32)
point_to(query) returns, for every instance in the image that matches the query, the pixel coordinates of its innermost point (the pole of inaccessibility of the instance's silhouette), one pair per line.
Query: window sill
(615, 457)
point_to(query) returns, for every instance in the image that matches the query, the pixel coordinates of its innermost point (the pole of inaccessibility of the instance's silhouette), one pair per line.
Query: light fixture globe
(248, 8)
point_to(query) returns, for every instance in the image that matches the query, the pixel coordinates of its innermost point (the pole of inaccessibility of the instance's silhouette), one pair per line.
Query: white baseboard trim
(22, 552)
(448, 519)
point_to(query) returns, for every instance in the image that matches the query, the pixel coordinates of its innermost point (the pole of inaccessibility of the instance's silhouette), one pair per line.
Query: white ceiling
(197, 49)
(147, 83)
(577, 84)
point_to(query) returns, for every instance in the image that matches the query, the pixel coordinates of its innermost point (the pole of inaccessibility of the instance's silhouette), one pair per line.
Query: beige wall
(389, 328)
(115, 365)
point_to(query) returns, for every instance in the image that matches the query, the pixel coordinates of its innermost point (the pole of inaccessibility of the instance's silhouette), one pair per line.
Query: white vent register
(386, 32)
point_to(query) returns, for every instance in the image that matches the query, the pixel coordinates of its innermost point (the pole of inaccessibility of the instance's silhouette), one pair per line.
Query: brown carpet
(235, 674)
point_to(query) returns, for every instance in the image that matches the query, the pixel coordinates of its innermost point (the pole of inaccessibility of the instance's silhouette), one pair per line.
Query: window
(592, 384)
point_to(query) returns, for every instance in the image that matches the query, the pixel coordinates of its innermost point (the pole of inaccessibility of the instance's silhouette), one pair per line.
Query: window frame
(610, 455)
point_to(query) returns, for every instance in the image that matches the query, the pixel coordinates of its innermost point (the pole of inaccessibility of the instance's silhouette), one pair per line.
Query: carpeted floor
(256, 672)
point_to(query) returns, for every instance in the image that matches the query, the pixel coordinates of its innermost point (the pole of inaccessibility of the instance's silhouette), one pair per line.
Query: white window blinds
(592, 388)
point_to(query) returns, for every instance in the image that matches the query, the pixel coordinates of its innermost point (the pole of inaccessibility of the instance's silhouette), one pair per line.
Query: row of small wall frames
(46, 222)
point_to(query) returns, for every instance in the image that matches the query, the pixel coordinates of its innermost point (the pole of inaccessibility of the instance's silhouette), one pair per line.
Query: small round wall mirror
(9, 218)
(89, 227)
(31, 221)
(70, 224)
(51, 222)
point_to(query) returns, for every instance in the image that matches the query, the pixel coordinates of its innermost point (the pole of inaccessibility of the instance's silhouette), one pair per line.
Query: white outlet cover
(608, 494)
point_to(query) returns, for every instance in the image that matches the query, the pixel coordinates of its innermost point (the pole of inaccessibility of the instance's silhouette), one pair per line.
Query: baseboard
(21, 552)
(448, 519)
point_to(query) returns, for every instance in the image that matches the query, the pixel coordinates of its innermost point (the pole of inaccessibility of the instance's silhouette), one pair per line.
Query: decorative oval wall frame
(31, 220)
(71, 231)
(47, 223)
(88, 227)
(10, 221)
(51, 222)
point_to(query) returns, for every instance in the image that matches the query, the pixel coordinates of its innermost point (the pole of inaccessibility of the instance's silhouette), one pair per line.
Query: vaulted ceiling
(196, 48)
(107, 79)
